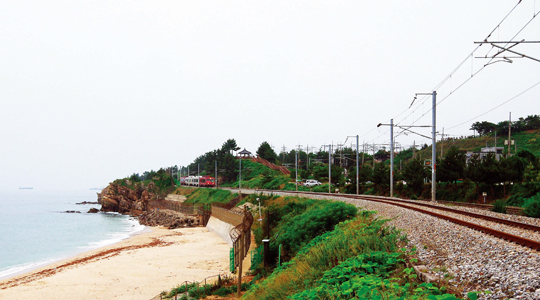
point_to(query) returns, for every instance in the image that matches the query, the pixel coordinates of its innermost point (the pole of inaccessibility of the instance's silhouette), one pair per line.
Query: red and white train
(202, 181)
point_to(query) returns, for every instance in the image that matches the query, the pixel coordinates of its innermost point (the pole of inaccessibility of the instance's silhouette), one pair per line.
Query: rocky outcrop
(126, 199)
(93, 210)
(167, 218)
(87, 202)
(142, 201)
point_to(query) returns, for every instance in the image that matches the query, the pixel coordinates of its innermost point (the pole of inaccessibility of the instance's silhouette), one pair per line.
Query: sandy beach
(137, 268)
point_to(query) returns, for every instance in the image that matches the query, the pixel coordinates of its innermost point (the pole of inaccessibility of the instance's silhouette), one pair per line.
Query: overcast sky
(92, 91)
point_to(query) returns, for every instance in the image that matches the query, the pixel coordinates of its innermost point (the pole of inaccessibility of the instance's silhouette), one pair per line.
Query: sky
(92, 91)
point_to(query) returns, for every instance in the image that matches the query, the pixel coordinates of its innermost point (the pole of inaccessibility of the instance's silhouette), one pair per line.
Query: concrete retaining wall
(220, 228)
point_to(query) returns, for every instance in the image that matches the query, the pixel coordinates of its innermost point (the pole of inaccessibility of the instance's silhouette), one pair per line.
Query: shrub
(532, 206)
(499, 206)
(311, 219)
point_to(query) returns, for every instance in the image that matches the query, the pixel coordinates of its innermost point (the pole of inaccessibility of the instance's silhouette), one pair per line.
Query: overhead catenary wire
(473, 74)
(515, 97)
(414, 106)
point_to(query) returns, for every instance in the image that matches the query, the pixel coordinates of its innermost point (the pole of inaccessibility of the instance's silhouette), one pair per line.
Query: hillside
(527, 140)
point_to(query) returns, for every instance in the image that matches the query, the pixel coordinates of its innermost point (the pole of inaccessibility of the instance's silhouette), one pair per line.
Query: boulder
(93, 210)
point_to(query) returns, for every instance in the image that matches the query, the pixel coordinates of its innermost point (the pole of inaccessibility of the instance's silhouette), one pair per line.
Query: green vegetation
(532, 206)
(201, 196)
(159, 182)
(300, 220)
(265, 151)
(194, 291)
(359, 259)
(499, 206)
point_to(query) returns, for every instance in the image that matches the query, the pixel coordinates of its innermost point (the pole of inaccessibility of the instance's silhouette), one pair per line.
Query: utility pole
(283, 149)
(363, 152)
(373, 159)
(198, 177)
(296, 169)
(240, 176)
(509, 132)
(442, 142)
(357, 167)
(433, 142)
(391, 157)
(216, 179)
(433, 149)
(329, 168)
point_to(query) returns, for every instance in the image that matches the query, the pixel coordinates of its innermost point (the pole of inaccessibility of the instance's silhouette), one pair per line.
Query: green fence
(231, 259)
(256, 257)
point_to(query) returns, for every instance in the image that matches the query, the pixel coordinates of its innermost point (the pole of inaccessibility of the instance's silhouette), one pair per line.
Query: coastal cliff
(140, 199)
(127, 198)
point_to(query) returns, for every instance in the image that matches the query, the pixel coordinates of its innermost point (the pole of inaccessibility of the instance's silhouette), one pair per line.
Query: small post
(240, 254)
(266, 248)
(279, 255)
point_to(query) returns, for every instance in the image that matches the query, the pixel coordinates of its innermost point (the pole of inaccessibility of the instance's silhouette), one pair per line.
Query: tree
(337, 175)
(472, 171)
(364, 175)
(452, 166)
(382, 155)
(489, 169)
(320, 171)
(381, 175)
(230, 145)
(265, 151)
(483, 127)
(414, 173)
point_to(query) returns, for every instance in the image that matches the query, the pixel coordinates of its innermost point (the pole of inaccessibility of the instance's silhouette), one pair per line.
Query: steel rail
(470, 214)
(496, 233)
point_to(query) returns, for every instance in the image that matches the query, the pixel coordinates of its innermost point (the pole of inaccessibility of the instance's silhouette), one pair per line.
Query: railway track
(510, 209)
(430, 210)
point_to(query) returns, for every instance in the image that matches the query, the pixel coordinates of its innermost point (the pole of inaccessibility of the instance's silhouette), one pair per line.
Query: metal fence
(214, 280)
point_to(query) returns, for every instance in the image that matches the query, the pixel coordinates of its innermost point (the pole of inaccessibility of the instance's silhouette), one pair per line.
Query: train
(202, 181)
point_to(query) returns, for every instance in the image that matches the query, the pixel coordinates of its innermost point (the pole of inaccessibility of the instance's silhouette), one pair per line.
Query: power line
(470, 56)
(516, 96)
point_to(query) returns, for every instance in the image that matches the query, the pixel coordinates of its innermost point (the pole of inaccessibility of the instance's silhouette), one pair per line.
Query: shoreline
(142, 265)
(33, 266)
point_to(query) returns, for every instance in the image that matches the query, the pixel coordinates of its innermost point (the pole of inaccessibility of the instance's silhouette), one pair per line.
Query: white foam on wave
(132, 227)
(27, 267)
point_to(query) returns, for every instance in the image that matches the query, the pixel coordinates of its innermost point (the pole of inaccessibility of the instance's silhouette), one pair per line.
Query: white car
(311, 182)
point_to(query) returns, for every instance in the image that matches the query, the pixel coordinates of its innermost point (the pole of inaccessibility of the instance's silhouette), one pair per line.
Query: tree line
(523, 124)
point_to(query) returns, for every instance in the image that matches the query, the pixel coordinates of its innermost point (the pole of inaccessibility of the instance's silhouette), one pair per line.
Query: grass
(201, 196)
(526, 140)
(349, 239)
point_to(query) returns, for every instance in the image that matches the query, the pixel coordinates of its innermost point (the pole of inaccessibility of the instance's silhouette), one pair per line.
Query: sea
(35, 229)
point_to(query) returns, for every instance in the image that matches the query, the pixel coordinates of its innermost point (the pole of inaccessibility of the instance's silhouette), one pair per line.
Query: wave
(129, 228)
(27, 267)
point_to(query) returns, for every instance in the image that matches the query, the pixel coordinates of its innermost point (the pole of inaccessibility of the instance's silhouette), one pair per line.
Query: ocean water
(36, 231)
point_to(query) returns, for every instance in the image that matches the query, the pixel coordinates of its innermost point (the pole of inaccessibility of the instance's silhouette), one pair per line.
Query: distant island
(26, 188)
